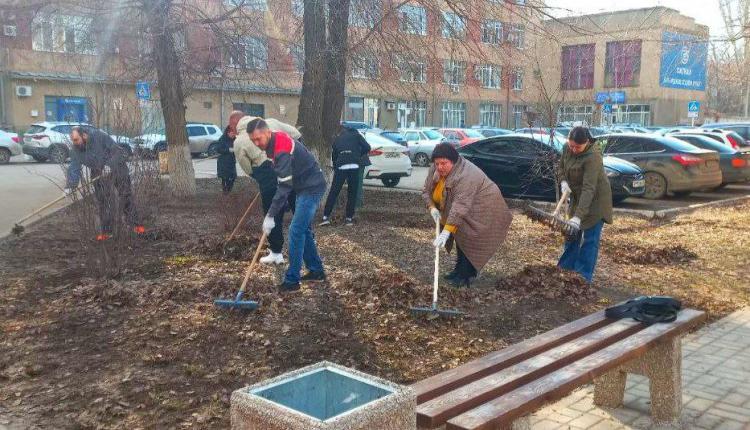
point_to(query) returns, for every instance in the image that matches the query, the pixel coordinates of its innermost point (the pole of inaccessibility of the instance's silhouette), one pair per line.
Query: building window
(63, 33)
(633, 114)
(576, 114)
(518, 112)
(454, 72)
(364, 67)
(246, 4)
(490, 114)
(365, 13)
(516, 35)
(298, 7)
(622, 66)
(454, 114)
(492, 32)
(489, 75)
(411, 113)
(454, 26)
(411, 70)
(249, 53)
(578, 67)
(412, 19)
(297, 51)
(518, 80)
(253, 109)
(355, 109)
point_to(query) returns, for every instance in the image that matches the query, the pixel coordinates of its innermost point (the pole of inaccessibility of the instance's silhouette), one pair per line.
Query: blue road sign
(607, 108)
(143, 90)
(694, 106)
(616, 97)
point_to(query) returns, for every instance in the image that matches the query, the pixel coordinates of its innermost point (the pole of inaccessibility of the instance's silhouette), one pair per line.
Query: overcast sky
(704, 11)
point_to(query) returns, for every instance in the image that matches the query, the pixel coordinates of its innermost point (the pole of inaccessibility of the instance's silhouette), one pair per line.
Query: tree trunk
(313, 80)
(182, 174)
(333, 101)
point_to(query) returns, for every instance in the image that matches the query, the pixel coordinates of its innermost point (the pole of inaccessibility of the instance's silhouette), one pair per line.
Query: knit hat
(445, 150)
(581, 135)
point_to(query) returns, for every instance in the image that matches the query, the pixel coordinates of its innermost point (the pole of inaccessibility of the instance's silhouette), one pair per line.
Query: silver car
(421, 143)
(201, 137)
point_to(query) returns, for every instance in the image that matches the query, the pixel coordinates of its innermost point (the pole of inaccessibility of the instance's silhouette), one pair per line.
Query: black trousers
(227, 183)
(351, 177)
(114, 196)
(464, 269)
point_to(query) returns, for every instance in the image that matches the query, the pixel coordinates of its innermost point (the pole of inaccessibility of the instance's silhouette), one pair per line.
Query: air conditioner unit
(455, 88)
(390, 106)
(23, 90)
(10, 30)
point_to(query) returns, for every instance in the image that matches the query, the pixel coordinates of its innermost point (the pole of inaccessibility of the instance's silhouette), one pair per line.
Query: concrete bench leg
(609, 389)
(523, 423)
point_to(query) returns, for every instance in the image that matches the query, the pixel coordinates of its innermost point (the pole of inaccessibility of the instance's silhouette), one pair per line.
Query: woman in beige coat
(470, 209)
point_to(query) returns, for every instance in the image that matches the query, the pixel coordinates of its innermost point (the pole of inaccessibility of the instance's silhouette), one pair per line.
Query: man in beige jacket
(256, 164)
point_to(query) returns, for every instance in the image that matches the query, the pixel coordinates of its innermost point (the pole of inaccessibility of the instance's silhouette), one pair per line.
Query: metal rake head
(555, 223)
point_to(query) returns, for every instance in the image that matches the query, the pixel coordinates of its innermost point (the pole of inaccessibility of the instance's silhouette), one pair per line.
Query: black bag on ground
(647, 309)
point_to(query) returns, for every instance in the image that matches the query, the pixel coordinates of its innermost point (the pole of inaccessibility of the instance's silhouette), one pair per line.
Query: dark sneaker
(314, 277)
(450, 276)
(459, 282)
(326, 221)
(349, 222)
(288, 287)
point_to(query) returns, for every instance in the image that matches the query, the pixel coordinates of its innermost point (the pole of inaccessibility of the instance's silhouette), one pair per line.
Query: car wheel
(719, 187)
(4, 156)
(422, 160)
(682, 193)
(58, 154)
(38, 159)
(391, 182)
(213, 149)
(656, 186)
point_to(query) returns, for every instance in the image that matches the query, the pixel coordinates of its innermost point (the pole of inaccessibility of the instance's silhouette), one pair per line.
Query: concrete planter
(324, 396)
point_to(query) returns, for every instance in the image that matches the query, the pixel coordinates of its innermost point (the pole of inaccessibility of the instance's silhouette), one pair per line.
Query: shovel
(434, 311)
(238, 303)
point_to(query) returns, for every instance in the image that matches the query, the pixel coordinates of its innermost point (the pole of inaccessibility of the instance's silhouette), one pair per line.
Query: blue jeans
(302, 245)
(581, 255)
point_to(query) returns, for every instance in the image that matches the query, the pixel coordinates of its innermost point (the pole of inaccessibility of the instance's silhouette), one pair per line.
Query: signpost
(694, 107)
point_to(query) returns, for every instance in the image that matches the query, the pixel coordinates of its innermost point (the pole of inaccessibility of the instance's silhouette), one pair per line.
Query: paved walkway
(716, 387)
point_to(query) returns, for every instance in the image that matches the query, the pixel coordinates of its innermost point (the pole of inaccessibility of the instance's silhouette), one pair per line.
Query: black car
(524, 167)
(394, 136)
(734, 164)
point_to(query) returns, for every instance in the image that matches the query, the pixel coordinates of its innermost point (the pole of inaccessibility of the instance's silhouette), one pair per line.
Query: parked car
(390, 161)
(202, 139)
(721, 137)
(741, 128)
(421, 143)
(525, 166)
(491, 131)
(670, 165)
(733, 137)
(49, 140)
(734, 163)
(394, 136)
(462, 136)
(356, 125)
(9, 146)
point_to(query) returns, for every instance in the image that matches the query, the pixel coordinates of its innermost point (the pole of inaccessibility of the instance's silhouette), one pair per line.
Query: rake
(242, 221)
(553, 220)
(238, 303)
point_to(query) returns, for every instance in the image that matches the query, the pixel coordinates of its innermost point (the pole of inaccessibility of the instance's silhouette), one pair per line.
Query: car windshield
(473, 133)
(393, 136)
(432, 134)
(35, 129)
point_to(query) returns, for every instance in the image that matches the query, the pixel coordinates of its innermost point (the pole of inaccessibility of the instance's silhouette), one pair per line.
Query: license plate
(392, 154)
(639, 183)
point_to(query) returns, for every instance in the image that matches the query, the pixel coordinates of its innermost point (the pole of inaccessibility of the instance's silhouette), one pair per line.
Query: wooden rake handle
(242, 220)
(563, 198)
(52, 203)
(254, 261)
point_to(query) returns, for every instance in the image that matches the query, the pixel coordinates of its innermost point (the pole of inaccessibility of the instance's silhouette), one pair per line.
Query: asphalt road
(27, 185)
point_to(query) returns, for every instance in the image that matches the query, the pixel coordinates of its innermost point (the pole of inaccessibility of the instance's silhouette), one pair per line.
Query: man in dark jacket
(349, 150)
(226, 163)
(298, 171)
(106, 161)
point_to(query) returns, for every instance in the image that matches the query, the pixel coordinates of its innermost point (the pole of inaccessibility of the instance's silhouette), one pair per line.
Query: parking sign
(143, 90)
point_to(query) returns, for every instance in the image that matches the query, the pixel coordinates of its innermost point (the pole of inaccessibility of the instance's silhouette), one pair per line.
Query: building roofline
(574, 18)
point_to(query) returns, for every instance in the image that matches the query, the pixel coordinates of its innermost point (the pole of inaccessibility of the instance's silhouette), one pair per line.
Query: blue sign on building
(683, 62)
(607, 108)
(615, 97)
(143, 90)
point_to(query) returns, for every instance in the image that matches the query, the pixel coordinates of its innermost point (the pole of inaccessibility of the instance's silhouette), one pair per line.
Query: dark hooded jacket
(226, 164)
(99, 151)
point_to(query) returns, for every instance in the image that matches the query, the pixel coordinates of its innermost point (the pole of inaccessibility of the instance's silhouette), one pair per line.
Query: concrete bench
(500, 389)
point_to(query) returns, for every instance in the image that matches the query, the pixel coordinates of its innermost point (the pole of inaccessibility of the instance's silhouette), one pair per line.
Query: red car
(462, 136)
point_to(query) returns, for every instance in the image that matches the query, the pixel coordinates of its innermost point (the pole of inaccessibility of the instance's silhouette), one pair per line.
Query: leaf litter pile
(149, 349)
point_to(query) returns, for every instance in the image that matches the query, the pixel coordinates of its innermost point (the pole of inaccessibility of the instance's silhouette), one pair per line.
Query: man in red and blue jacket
(297, 170)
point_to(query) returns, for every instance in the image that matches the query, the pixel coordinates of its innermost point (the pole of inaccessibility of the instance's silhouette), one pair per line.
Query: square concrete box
(324, 396)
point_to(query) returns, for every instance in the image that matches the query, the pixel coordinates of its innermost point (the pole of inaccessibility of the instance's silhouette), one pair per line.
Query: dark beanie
(445, 150)
(581, 135)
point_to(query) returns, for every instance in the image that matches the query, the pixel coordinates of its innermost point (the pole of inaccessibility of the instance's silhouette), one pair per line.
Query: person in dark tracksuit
(107, 161)
(226, 163)
(349, 150)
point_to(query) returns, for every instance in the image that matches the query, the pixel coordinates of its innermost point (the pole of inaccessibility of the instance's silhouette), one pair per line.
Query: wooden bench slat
(554, 386)
(437, 411)
(444, 382)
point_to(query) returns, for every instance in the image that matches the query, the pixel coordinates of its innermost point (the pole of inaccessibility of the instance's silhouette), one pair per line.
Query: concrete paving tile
(732, 425)
(585, 421)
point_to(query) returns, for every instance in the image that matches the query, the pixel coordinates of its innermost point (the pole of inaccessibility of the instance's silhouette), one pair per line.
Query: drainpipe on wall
(3, 108)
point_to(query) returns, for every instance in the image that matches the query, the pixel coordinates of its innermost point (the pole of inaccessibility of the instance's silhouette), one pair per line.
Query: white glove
(442, 239)
(435, 214)
(231, 149)
(67, 191)
(564, 187)
(268, 225)
(575, 222)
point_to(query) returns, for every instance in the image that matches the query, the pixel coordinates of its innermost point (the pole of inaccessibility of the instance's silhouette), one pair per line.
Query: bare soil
(149, 349)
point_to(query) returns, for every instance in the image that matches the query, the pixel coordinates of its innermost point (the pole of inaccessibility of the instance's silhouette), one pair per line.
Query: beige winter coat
(249, 155)
(475, 205)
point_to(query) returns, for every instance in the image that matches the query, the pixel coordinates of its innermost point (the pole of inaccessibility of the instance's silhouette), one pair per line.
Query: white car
(390, 161)
(49, 140)
(717, 135)
(201, 137)
(421, 143)
(9, 146)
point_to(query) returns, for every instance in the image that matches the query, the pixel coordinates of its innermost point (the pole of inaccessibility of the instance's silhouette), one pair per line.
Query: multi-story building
(423, 63)
(639, 66)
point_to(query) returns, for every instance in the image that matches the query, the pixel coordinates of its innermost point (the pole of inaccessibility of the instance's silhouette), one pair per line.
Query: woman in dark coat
(226, 164)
